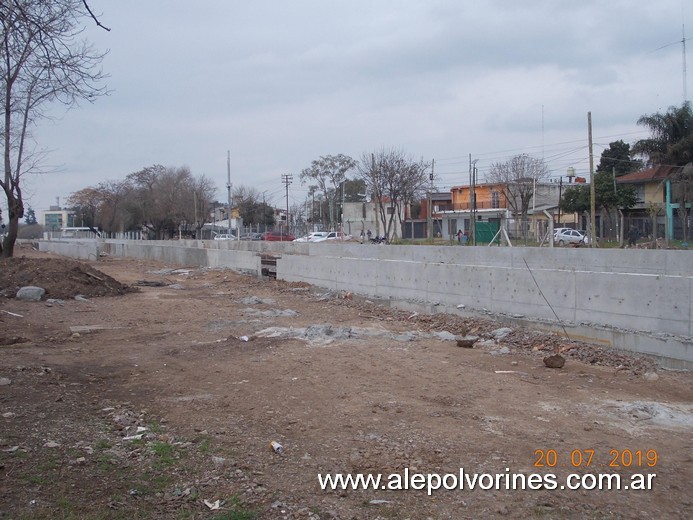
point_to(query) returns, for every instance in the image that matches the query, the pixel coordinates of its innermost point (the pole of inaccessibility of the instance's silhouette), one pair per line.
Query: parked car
(251, 236)
(333, 235)
(558, 230)
(277, 236)
(570, 236)
(224, 236)
(315, 236)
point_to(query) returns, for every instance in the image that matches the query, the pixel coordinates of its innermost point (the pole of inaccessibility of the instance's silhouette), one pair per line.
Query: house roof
(654, 174)
(441, 195)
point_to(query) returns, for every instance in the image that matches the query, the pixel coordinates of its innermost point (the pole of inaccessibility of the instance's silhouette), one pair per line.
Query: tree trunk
(15, 210)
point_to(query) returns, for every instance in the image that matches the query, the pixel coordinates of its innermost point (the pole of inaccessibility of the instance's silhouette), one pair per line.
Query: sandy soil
(156, 394)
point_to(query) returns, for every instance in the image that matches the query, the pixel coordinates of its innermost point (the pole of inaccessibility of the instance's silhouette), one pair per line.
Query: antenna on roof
(683, 43)
(683, 48)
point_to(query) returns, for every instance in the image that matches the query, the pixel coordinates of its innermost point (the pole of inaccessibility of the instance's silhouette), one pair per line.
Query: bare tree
(517, 180)
(395, 180)
(86, 203)
(101, 206)
(113, 216)
(163, 199)
(42, 61)
(203, 191)
(252, 207)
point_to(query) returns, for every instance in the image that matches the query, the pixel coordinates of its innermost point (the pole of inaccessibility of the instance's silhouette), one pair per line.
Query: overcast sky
(281, 83)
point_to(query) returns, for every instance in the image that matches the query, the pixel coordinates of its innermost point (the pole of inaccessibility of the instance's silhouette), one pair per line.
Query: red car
(277, 236)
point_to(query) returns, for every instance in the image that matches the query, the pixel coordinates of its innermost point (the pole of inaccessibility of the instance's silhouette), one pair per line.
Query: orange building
(488, 197)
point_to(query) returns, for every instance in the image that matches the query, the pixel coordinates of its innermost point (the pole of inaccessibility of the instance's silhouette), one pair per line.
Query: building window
(640, 194)
(495, 200)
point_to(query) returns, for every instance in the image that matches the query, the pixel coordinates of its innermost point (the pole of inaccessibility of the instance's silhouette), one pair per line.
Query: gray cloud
(281, 83)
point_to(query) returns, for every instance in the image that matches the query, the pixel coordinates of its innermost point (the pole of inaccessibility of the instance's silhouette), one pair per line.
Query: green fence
(485, 231)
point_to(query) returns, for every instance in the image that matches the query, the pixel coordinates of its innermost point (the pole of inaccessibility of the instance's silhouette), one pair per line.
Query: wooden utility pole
(472, 201)
(228, 185)
(429, 209)
(593, 209)
(286, 179)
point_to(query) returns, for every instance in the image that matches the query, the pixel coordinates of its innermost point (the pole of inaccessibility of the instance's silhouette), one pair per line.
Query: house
(660, 191)
(451, 212)
(546, 199)
(364, 216)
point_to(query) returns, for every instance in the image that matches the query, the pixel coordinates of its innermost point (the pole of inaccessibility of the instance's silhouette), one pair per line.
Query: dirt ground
(157, 392)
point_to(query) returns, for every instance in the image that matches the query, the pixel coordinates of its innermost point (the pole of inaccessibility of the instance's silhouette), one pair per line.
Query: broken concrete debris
(270, 313)
(254, 300)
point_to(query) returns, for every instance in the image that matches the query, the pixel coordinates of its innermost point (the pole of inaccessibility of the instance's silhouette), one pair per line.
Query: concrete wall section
(653, 303)
(80, 249)
(620, 309)
(640, 300)
(163, 251)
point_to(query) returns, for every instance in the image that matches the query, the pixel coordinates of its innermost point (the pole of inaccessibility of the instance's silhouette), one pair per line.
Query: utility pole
(286, 179)
(593, 220)
(197, 229)
(228, 185)
(342, 217)
(472, 200)
(264, 213)
(429, 209)
(618, 230)
(560, 194)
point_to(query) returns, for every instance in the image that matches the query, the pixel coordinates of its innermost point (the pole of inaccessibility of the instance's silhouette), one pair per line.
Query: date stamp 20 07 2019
(589, 458)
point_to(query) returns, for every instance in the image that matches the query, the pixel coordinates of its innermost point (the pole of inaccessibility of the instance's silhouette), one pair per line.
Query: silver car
(224, 236)
(569, 236)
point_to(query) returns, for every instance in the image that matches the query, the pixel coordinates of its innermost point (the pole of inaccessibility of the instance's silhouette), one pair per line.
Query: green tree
(618, 158)
(43, 60)
(612, 196)
(671, 143)
(30, 217)
(672, 137)
(576, 199)
(327, 173)
(354, 190)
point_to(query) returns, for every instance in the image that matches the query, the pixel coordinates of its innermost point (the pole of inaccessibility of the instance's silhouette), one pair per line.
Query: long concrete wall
(637, 300)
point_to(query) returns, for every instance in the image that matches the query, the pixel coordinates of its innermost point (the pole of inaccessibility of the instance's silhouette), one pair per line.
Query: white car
(315, 236)
(224, 236)
(333, 235)
(570, 236)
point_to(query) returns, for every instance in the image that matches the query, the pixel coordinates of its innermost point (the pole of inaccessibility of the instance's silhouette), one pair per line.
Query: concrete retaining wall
(637, 300)
(80, 249)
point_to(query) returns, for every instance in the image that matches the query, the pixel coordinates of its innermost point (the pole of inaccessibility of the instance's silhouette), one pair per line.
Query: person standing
(633, 236)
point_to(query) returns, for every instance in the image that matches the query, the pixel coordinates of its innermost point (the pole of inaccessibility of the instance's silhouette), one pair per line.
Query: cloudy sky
(281, 83)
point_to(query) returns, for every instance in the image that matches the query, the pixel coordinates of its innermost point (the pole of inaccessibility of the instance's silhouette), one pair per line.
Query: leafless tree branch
(98, 23)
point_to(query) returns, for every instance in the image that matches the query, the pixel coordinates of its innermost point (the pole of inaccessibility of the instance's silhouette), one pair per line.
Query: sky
(278, 84)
